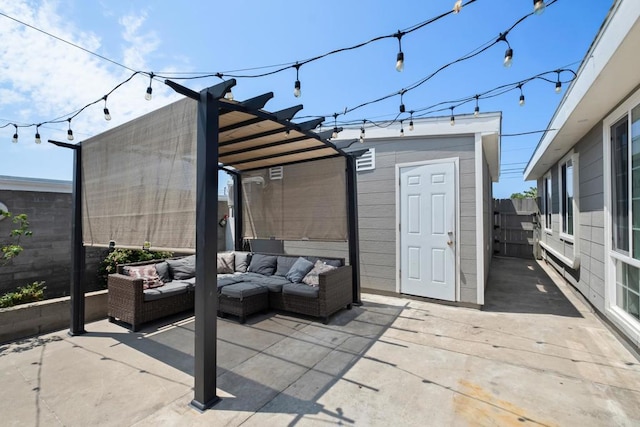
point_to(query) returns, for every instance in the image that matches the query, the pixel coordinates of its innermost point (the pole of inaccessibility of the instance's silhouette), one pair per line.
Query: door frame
(456, 190)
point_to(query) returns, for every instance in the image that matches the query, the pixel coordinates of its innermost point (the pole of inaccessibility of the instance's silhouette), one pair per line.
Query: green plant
(531, 193)
(125, 256)
(24, 294)
(12, 248)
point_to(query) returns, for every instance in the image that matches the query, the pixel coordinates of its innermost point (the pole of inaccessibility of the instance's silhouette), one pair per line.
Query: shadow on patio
(275, 362)
(522, 286)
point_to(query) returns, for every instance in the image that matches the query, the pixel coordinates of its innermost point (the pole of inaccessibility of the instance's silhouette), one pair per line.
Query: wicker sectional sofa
(247, 283)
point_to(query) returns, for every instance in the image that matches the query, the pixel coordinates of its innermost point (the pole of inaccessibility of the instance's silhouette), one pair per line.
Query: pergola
(236, 137)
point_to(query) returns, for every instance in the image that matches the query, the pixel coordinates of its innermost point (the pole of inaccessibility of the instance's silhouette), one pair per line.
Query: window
(566, 169)
(547, 201)
(367, 161)
(627, 288)
(620, 185)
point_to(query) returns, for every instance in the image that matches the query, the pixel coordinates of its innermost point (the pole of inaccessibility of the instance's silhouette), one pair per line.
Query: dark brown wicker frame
(242, 307)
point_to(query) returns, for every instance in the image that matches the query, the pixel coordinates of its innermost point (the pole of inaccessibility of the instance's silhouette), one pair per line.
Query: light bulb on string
(228, 94)
(400, 56)
(69, 131)
(476, 111)
(402, 108)
(558, 83)
(105, 110)
(508, 54)
(538, 7)
(457, 6)
(296, 85)
(15, 135)
(411, 121)
(334, 135)
(37, 139)
(149, 93)
(521, 101)
(452, 121)
(362, 132)
(401, 128)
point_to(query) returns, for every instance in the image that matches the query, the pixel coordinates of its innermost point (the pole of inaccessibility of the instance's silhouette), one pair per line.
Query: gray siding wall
(377, 208)
(588, 278)
(377, 211)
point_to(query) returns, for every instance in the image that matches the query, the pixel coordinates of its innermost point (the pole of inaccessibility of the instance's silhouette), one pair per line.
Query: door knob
(450, 243)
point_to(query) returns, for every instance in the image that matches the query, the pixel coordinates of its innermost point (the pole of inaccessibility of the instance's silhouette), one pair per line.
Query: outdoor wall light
(538, 7)
(3, 208)
(112, 244)
(15, 135)
(146, 246)
(223, 222)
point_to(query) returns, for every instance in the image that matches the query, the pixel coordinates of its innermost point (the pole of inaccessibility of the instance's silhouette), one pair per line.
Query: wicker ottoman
(242, 299)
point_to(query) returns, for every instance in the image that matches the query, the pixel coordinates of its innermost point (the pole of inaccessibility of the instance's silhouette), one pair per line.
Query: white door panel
(427, 230)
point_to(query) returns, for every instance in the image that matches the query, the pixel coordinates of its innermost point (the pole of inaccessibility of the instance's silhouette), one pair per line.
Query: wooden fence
(514, 227)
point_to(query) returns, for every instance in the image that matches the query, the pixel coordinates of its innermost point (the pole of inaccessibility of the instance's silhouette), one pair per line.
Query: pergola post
(352, 220)
(238, 208)
(206, 297)
(76, 306)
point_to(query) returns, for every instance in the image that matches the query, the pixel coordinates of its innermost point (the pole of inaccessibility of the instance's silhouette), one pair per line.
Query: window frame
(563, 205)
(547, 203)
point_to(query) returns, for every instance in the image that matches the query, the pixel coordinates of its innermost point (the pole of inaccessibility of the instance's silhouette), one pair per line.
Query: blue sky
(42, 78)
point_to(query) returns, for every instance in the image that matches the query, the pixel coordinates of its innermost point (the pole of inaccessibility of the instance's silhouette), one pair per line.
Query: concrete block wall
(47, 254)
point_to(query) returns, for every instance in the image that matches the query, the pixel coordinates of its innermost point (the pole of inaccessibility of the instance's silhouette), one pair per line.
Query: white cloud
(42, 78)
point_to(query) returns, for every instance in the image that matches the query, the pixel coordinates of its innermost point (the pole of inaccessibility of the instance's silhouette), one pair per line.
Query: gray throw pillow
(226, 263)
(242, 260)
(262, 264)
(284, 265)
(162, 268)
(183, 268)
(299, 269)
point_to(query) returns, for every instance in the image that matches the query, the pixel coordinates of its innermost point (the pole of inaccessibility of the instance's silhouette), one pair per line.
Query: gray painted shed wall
(377, 211)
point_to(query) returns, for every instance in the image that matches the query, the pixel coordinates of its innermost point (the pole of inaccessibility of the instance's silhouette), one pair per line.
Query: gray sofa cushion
(243, 289)
(228, 280)
(242, 260)
(172, 288)
(162, 268)
(284, 265)
(183, 268)
(300, 289)
(263, 264)
(299, 269)
(273, 283)
(250, 277)
(328, 261)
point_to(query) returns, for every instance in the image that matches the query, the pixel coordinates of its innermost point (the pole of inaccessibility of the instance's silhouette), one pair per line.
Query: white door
(428, 230)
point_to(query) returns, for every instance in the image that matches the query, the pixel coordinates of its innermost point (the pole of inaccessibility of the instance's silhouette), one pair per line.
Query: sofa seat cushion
(251, 277)
(243, 289)
(172, 288)
(230, 279)
(300, 289)
(273, 283)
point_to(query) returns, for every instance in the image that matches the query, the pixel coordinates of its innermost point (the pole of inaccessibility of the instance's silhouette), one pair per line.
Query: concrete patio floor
(536, 355)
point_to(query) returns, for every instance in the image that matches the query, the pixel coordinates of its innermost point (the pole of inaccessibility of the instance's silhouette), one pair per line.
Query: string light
(508, 54)
(401, 128)
(402, 108)
(400, 56)
(521, 101)
(69, 132)
(38, 140)
(558, 83)
(476, 111)
(362, 132)
(411, 121)
(457, 7)
(334, 135)
(15, 135)
(149, 93)
(107, 116)
(452, 121)
(296, 85)
(538, 7)
(229, 94)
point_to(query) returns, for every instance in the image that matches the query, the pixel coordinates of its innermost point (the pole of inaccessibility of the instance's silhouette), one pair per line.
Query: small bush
(24, 294)
(125, 256)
